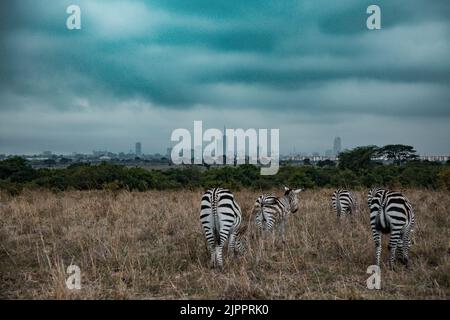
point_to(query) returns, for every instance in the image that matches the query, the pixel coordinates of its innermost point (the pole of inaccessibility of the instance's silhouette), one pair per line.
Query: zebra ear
(298, 191)
(286, 188)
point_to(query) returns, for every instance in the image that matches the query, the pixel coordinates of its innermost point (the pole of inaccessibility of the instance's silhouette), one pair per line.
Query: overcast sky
(137, 70)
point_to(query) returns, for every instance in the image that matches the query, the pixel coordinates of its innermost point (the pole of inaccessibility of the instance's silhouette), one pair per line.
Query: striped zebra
(268, 209)
(343, 202)
(391, 212)
(221, 216)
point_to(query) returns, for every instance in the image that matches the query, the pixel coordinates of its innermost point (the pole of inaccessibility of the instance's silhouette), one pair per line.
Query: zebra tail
(216, 228)
(263, 217)
(382, 222)
(216, 224)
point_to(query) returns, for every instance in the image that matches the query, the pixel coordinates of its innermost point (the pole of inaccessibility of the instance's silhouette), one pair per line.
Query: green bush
(15, 174)
(444, 178)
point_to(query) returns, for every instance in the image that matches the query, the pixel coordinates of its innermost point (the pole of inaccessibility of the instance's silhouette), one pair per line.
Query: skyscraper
(138, 149)
(224, 146)
(337, 146)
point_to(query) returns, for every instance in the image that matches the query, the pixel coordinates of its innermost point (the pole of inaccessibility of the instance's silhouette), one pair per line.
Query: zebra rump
(220, 217)
(343, 202)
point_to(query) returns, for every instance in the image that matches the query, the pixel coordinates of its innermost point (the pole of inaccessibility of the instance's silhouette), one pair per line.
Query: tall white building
(138, 148)
(337, 146)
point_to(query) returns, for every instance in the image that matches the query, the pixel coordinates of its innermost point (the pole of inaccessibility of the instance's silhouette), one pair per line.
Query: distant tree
(49, 162)
(357, 158)
(65, 160)
(307, 162)
(398, 152)
(78, 165)
(326, 163)
(12, 165)
(16, 169)
(444, 177)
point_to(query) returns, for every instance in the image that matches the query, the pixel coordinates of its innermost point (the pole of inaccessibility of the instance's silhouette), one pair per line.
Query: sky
(137, 70)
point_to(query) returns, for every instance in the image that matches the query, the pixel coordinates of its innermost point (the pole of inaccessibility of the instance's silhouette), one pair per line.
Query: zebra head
(292, 196)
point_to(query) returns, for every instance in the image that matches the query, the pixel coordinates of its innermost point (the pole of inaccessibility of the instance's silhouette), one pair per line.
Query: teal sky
(137, 70)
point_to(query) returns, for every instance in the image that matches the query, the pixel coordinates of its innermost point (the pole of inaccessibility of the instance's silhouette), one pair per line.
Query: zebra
(391, 212)
(343, 202)
(268, 209)
(220, 216)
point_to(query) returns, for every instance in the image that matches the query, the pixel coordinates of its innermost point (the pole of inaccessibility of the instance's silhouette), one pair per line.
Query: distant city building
(99, 153)
(224, 145)
(329, 153)
(434, 158)
(47, 153)
(138, 149)
(303, 154)
(337, 146)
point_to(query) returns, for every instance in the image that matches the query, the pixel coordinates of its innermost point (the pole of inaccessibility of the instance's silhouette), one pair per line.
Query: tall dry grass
(150, 246)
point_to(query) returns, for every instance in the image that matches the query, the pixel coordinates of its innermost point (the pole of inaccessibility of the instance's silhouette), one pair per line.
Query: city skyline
(336, 148)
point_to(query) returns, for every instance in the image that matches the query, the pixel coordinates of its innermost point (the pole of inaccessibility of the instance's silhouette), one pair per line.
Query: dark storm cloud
(115, 60)
(303, 58)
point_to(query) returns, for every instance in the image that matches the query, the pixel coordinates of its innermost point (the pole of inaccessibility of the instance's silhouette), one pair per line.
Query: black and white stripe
(343, 202)
(221, 216)
(268, 209)
(391, 213)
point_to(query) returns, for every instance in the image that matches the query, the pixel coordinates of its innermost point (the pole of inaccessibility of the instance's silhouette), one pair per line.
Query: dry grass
(150, 246)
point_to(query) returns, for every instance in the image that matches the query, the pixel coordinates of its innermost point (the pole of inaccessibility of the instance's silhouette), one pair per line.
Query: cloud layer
(139, 69)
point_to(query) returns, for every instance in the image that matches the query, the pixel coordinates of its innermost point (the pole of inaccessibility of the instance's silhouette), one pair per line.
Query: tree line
(357, 168)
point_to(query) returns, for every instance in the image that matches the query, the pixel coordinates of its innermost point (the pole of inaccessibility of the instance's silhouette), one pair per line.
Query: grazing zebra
(343, 202)
(391, 212)
(269, 209)
(220, 216)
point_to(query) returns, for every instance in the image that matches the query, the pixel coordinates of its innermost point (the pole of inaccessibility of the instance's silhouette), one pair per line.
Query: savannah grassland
(149, 245)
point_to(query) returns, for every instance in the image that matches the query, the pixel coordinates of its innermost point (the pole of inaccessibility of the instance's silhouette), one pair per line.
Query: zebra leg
(393, 243)
(212, 251)
(406, 244)
(399, 253)
(377, 239)
(239, 248)
(232, 244)
(263, 231)
(350, 213)
(211, 246)
(283, 229)
(219, 257)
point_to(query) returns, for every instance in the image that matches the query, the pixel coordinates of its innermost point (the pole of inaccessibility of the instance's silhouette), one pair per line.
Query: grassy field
(150, 246)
